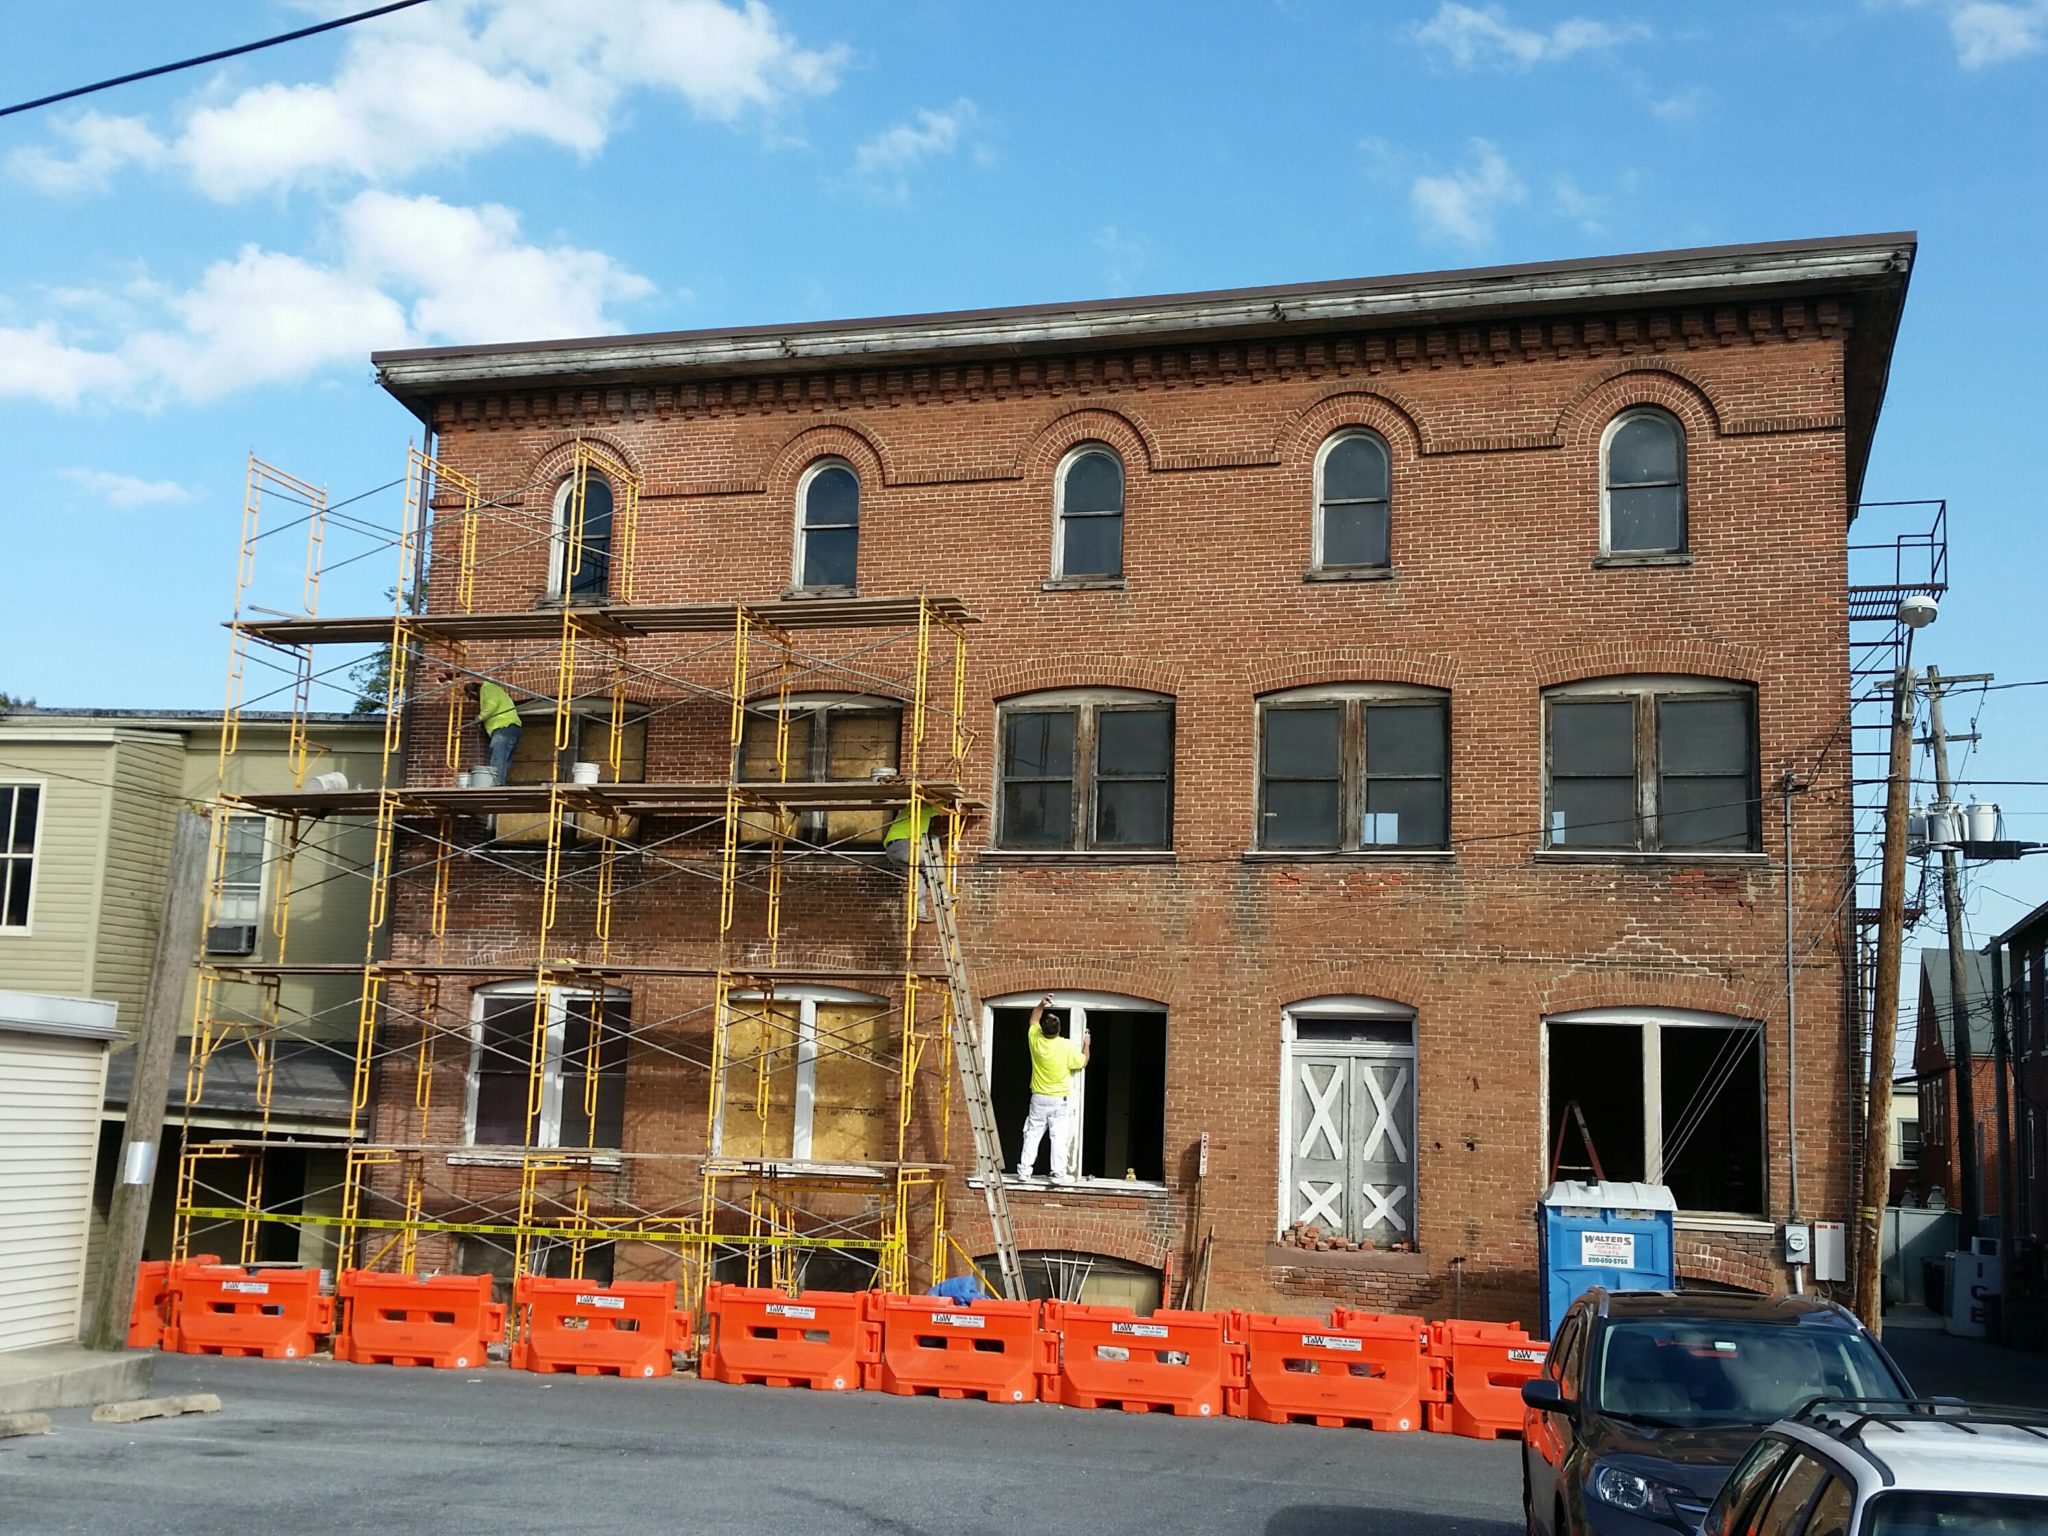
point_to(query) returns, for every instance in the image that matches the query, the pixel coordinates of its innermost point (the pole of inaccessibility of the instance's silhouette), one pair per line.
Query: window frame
(1651, 1022)
(804, 1090)
(1354, 780)
(1317, 563)
(1076, 1005)
(1646, 692)
(812, 826)
(804, 528)
(255, 892)
(1073, 456)
(11, 862)
(559, 573)
(1608, 486)
(548, 1126)
(1380, 1010)
(1087, 705)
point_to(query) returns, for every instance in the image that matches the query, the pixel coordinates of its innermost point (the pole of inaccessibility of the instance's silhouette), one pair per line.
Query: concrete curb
(12, 1424)
(155, 1408)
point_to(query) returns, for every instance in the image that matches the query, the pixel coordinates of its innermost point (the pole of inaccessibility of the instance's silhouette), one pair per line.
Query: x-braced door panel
(1352, 1159)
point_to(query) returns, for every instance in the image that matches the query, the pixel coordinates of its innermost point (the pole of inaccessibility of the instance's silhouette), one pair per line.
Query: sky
(198, 266)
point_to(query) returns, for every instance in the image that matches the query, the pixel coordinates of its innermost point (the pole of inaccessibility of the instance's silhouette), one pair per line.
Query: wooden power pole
(156, 1046)
(1884, 1014)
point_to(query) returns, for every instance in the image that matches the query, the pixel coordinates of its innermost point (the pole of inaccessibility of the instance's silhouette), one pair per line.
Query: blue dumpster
(1614, 1235)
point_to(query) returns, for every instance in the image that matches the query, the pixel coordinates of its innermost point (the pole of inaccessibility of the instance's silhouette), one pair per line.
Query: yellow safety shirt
(1054, 1061)
(899, 829)
(494, 708)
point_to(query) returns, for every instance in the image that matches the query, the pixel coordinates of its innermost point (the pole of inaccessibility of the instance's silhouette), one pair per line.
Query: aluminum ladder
(981, 1112)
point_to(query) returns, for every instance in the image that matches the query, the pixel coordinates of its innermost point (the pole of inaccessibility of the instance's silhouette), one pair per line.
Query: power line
(207, 58)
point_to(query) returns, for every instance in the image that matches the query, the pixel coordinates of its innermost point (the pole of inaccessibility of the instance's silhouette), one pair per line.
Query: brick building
(1941, 1149)
(1378, 705)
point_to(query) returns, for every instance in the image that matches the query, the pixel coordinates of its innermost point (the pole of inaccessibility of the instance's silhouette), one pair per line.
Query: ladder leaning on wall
(937, 894)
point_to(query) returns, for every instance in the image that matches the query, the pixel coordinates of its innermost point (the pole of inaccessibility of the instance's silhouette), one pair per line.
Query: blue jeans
(504, 741)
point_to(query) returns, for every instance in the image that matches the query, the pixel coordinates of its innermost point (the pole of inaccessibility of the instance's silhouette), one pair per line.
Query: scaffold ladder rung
(981, 1111)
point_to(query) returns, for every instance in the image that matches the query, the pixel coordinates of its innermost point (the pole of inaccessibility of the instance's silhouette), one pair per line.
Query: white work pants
(1049, 1114)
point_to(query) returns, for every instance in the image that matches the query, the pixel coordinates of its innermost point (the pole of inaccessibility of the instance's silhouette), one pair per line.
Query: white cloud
(100, 145)
(125, 491)
(1681, 108)
(885, 161)
(1476, 36)
(1124, 256)
(441, 82)
(1987, 32)
(410, 270)
(1460, 206)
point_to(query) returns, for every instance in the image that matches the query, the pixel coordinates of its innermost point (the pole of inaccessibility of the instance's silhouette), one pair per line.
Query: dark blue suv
(1649, 1397)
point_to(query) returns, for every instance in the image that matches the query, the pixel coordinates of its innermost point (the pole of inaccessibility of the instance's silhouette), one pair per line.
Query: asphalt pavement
(310, 1447)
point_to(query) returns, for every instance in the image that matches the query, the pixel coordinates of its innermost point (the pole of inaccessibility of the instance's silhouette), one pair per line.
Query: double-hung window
(1088, 526)
(1655, 764)
(1642, 484)
(582, 538)
(830, 738)
(20, 814)
(1086, 769)
(1353, 497)
(828, 526)
(579, 1071)
(1354, 767)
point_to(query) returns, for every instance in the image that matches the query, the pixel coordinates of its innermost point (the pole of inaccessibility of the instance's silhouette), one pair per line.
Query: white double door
(1351, 1140)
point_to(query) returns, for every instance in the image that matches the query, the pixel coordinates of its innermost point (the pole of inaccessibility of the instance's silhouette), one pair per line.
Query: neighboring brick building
(1941, 1149)
(1380, 699)
(2020, 961)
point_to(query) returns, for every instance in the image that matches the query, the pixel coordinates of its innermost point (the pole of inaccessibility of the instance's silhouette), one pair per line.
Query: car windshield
(1687, 1373)
(1952, 1514)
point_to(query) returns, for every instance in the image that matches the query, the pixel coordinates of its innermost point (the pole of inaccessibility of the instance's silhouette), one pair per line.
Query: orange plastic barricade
(444, 1321)
(1170, 1362)
(152, 1305)
(1359, 1368)
(1488, 1362)
(223, 1309)
(629, 1328)
(993, 1349)
(815, 1339)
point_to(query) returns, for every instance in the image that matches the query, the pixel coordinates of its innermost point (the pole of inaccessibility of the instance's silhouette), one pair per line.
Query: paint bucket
(465, 780)
(330, 781)
(583, 773)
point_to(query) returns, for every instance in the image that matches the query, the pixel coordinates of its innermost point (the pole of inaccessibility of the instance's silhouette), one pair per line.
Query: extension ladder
(981, 1112)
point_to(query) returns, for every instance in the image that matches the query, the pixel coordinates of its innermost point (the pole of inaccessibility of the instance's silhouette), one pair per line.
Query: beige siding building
(88, 803)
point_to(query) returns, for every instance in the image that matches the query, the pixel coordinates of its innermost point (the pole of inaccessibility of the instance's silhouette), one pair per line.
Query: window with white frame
(809, 1075)
(1353, 499)
(828, 526)
(1086, 768)
(581, 1066)
(1642, 484)
(20, 818)
(1665, 1096)
(1088, 525)
(1354, 766)
(1347, 1118)
(581, 559)
(1658, 764)
(1118, 1102)
(830, 738)
(239, 897)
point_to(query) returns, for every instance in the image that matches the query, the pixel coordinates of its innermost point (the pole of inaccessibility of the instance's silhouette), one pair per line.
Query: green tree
(371, 677)
(13, 704)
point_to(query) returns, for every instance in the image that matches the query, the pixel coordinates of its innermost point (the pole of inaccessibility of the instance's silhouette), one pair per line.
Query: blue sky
(199, 265)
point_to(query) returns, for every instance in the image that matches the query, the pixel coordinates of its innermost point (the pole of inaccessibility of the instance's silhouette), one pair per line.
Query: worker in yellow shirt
(1054, 1061)
(498, 719)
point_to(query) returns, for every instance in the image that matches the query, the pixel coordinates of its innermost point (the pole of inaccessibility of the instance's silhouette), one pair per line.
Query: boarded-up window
(811, 1078)
(535, 761)
(830, 741)
(854, 1108)
(762, 1043)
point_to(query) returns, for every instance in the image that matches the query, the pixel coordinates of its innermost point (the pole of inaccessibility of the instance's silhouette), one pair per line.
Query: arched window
(1086, 768)
(828, 525)
(1642, 484)
(1652, 764)
(1347, 1118)
(1353, 492)
(1354, 766)
(1088, 533)
(582, 538)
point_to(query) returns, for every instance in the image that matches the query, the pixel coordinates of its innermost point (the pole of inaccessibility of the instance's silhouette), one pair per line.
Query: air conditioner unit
(231, 939)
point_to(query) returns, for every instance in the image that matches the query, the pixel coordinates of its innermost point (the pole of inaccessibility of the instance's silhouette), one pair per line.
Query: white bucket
(583, 773)
(330, 781)
(464, 780)
(1982, 821)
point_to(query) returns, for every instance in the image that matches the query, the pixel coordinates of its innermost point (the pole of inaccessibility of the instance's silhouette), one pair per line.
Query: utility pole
(177, 939)
(1884, 1011)
(1960, 1055)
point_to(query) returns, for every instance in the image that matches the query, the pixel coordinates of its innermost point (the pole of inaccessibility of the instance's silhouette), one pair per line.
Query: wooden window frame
(1317, 562)
(1608, 486)
(1645, 694)
(554, 1086)
(1061, 515)
(804, 527)
(1087, 705)
(804, 1087)
(823, 709)
(559, 574)
(1354, 774)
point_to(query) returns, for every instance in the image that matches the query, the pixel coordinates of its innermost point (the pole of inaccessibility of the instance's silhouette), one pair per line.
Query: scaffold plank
(635, 619)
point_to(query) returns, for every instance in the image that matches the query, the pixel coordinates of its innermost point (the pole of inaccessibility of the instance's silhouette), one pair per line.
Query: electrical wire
(207, 58)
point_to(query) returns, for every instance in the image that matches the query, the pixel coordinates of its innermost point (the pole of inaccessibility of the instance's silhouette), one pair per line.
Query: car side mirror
(1545, 1396)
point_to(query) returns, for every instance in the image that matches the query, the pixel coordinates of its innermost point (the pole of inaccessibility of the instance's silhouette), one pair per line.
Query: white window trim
(27, 928)
(799, 542)
(263, 864)
(1652, 1022)
(1082, 699)
(548, 1130)
(1340, 1006)
(1059, 512)
(1342, 693)
(807, 998)
(558, 535)
(1075, 1006)
(1631, 688)
(1341, 435)
(1684, 546)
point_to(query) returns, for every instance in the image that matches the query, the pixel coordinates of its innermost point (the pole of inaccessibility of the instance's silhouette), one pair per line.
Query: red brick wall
(1494, 433)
